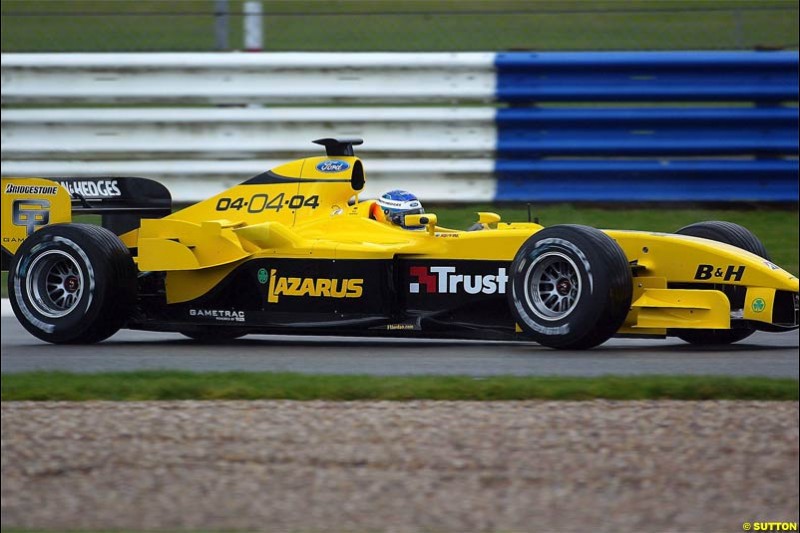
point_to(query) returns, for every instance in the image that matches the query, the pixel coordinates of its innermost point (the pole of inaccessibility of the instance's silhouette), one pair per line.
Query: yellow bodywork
(663, 258)
(30, 204)
(310, 209)
(201, 244)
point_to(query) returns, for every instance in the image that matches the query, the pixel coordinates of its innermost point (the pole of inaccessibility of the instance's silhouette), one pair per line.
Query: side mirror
(485, 218)
(429, 220)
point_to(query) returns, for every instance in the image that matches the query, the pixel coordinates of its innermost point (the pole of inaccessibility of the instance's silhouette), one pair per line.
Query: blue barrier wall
(669, 126)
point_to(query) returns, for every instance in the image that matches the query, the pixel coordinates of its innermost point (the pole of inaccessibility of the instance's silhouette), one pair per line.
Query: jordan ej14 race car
(295, 251)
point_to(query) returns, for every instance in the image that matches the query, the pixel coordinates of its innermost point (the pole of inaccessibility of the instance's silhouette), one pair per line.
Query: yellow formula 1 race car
(295, 251)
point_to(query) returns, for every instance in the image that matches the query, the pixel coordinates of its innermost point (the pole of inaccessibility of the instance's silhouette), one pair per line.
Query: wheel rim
(54, 283)
(552, 286)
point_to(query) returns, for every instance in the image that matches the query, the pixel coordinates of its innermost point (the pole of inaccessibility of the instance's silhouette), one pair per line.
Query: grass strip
(181, 385)
(412, 25)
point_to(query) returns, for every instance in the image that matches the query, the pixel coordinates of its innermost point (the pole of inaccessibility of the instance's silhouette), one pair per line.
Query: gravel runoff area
(391, 466)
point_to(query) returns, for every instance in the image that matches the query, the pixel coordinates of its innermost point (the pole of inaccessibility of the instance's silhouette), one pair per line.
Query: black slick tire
(571, 287)
(735, 235)
(72, 283)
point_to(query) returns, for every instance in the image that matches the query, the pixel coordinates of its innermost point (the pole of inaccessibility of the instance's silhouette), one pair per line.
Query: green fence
(436, 25)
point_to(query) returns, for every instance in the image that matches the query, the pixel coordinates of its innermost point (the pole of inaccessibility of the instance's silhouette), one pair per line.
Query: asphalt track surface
(763, 354)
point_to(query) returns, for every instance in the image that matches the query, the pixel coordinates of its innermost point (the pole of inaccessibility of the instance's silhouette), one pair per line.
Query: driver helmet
(397, 204)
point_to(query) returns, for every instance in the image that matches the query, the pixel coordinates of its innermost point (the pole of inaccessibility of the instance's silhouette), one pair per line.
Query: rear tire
(72, 283)
(571, 287)
(735, 235)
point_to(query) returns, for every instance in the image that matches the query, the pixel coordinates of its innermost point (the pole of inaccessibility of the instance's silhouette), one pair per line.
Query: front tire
(72, 283)
(735, 235)
(571, 287)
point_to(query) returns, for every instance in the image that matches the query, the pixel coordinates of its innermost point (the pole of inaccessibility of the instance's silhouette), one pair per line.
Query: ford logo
(333, 165)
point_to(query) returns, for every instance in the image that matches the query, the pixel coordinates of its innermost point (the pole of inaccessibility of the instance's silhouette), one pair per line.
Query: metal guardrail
(652, 114)
(647, 76)
(242, 78)
(235, 132)
(682, 126)
(198, 151)
(647, 132)
(648, 180)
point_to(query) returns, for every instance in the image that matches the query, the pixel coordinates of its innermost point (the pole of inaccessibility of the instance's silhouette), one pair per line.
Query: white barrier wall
(249, 77)
(229, 116)
(231, 132)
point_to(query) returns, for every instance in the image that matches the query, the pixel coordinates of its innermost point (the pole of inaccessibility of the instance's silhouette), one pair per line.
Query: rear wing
(32, 203)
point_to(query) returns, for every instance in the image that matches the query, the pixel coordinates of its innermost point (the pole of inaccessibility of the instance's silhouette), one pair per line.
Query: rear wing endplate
(29, 204)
